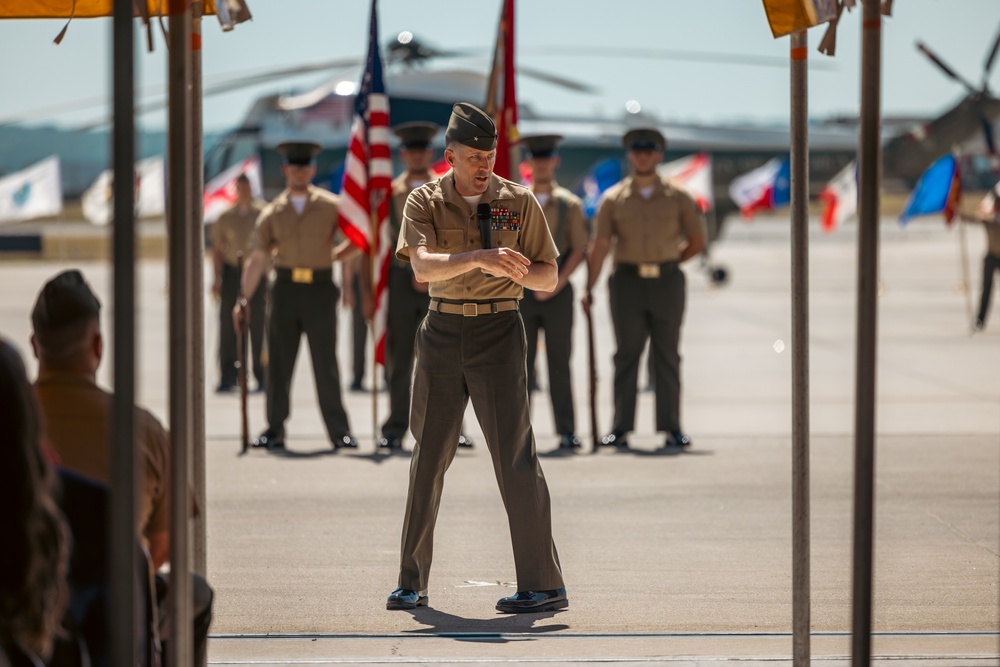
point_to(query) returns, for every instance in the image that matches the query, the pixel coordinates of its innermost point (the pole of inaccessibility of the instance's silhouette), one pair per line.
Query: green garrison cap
(416, 134)
(65, 299)
(299, 152)
(471, 126)
(541, 145)
(644, 138)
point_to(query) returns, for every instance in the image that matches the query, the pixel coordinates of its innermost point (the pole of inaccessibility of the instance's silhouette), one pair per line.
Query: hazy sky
(38, 75)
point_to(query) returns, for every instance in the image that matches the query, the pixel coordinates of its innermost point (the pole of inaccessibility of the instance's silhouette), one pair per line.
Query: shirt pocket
(450, 241)
(506, 238)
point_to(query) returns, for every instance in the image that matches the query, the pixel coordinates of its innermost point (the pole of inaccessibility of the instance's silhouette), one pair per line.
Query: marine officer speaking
(471, 345)
(553, 311)
(299, 229)
(655, 227)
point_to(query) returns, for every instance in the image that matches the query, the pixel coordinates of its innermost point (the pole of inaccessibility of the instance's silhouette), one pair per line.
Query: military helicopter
(324, 113)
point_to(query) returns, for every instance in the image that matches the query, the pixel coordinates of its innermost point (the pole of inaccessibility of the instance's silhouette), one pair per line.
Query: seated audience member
(76, 417)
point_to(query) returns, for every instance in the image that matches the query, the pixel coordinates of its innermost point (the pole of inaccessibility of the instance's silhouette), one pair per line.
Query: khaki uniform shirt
(76, 420)
(231, 231)
(299, 240)
(574, 233)
(400, 191)
(436, 216)
(647, 230)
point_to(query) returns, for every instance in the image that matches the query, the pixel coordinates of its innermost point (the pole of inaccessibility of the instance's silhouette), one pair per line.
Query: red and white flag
(220, 192)
(501, 96)
(694, 174)
(840, 197)
(762, 189)
(440, 168)
(365, 193)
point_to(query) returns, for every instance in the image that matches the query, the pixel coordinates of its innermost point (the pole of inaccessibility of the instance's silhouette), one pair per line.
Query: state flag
(764, 189)
(840, 197)
(33, 192)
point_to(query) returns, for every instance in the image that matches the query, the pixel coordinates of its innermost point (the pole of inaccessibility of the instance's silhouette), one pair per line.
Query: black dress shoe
(677, 439)
(345, 442)
(533, 601)
(225, 388)
(269, 440)
(404, 598)
(465, 441)
(569, 441)
(390, 442)
(356, 386)
(615, 439)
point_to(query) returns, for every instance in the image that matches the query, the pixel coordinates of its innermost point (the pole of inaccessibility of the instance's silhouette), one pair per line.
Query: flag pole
(373, 273)
(966, 284)
(799, 196)
(869, 177)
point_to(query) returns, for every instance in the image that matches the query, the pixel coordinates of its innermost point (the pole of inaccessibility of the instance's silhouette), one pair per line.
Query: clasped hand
(504, 262)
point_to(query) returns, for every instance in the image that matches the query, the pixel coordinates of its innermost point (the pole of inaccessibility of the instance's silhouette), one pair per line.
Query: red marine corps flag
(364, 205)
(501, 97)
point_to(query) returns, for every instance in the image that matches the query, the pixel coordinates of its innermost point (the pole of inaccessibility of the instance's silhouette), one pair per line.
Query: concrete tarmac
(669, 558)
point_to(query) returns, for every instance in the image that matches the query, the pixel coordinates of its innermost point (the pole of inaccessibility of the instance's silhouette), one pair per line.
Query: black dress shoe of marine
(677, 438)
(615, 439)
(390, 442)
(569, 441)
(533, 601)
(345, 442)
(465, 441)
(404, 598)
(269, 440)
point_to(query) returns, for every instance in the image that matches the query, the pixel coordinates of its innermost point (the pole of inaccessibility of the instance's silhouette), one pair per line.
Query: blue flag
(602, 176)
(937, 191)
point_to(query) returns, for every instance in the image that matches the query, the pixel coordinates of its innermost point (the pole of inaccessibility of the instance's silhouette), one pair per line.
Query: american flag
(364, 206)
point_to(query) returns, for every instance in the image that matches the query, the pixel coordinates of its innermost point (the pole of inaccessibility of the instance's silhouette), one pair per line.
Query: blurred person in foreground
(34, 556)
(76, 419)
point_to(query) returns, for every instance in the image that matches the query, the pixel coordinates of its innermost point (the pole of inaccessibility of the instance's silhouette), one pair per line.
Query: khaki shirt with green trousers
(472, 345)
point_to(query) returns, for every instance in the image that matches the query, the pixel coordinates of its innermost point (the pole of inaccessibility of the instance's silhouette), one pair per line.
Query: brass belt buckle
(302, 276)
(470, 309)
(649, 270)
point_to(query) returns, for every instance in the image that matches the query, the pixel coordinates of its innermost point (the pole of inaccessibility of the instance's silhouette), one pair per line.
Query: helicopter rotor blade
(556, 80)
(952, 74)
(673, 54)
(232, 84)
(990, 58)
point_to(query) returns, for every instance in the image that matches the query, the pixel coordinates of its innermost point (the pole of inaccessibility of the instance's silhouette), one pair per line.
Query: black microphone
(485, 215)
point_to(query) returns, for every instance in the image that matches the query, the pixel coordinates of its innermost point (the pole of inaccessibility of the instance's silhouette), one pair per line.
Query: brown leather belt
(473, 308)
